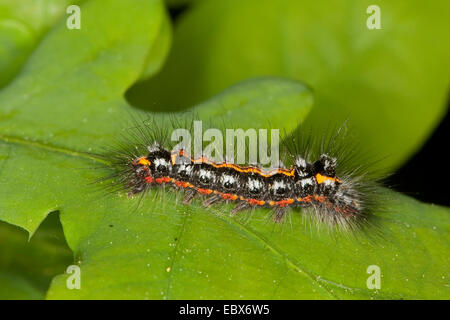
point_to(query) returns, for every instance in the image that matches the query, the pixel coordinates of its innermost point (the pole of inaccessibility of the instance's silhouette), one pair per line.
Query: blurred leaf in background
(22, 25)
(27, 266)
(391, 83)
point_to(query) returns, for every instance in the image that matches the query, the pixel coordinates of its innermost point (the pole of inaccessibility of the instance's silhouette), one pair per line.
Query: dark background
(426, 175)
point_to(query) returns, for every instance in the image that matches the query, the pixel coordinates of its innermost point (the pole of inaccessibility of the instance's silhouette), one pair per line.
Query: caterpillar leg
(280, 212)
(189, 195)
(243, 205)
(138, 188)
(213, 199)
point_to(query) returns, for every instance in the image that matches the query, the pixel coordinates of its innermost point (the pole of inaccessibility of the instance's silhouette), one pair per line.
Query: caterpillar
(314, 182)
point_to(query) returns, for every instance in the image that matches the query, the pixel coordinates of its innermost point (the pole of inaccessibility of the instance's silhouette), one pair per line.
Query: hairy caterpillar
(316, 181)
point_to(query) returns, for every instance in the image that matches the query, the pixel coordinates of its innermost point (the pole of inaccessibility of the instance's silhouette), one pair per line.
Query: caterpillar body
(314, 182)
(304, 184)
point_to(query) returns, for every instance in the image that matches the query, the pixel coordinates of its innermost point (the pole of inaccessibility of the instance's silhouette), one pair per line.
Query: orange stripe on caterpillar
(228, 196)
(255, 202)
(281, 203)
(284, 203)
(143, 161)
(183, 184)
(148, 179)
(204, 191)
(320, 198)
(163, 180)
(248, 169)
(321, 178)
(305, 199)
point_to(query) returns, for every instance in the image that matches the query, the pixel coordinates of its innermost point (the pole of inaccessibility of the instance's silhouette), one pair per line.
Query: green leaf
(63, 107)
(27, 267)
(54, 113)
(391, 83)
(250, 104)
(168, 251)
(83, 93)
(159, 49)
(22, 24)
